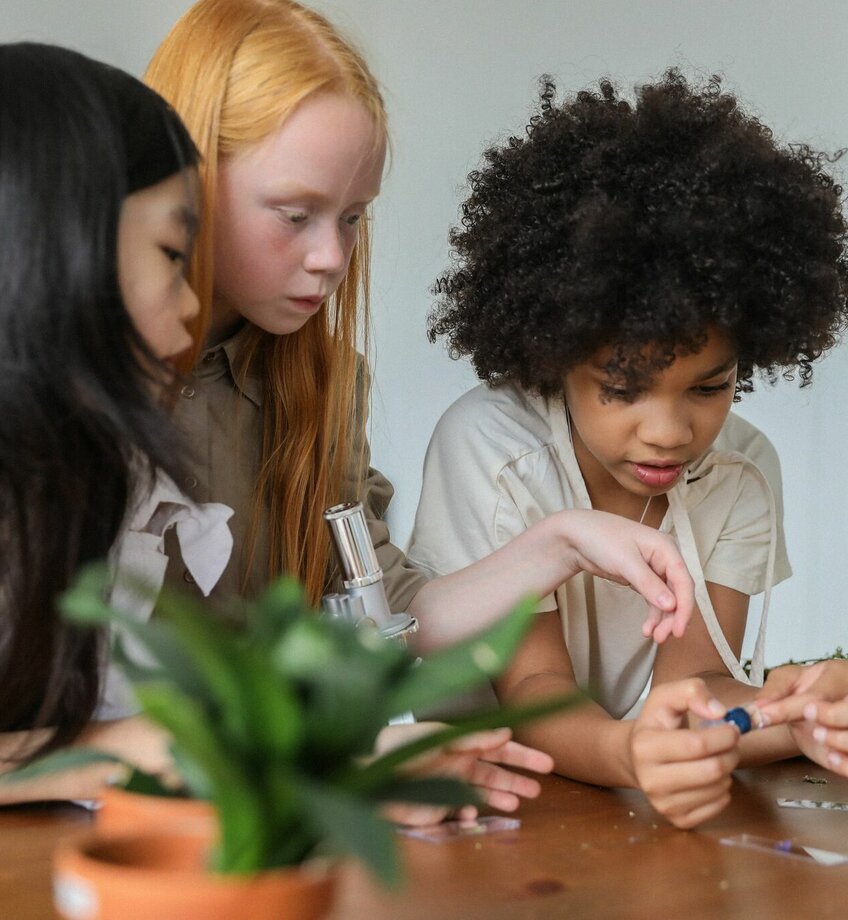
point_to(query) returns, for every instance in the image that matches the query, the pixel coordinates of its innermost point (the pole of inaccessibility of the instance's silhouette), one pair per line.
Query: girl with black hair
(98, 212)
(98, 207)
(622, 271)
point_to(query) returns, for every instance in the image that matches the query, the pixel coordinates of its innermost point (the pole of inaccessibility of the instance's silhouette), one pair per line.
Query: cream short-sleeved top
(501, 459)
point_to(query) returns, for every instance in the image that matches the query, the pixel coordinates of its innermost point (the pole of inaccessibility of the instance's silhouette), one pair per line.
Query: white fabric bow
(138, 563)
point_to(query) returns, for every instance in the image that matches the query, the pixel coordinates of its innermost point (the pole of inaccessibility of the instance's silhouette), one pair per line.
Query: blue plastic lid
(740, 718)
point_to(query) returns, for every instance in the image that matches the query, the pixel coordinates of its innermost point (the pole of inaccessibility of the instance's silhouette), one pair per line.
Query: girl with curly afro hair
(622, 271)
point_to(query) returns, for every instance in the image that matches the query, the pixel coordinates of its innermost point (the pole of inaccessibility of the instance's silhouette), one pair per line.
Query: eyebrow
(727, 365)
(283, 193)
(720, 368)
(186, 217)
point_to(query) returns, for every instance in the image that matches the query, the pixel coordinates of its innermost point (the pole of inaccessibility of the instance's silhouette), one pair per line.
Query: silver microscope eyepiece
(361, 572)
(354, 548)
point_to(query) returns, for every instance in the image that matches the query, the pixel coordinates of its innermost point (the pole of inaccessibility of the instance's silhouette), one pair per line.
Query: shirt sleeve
(471, 499)
(401, 579)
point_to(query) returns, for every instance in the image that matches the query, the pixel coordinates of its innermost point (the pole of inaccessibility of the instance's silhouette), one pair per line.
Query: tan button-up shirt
(222, 425)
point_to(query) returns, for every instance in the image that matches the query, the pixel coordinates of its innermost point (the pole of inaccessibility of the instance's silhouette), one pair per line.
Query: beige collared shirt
(501, 459)
(222, 425)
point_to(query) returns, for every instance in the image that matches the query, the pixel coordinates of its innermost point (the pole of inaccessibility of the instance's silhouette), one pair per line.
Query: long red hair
(234, 70)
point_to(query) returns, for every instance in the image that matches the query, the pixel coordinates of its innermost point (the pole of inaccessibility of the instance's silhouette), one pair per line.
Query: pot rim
(78, 849)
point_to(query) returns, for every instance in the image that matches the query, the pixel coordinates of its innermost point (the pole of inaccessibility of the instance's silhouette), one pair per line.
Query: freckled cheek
(250, 257)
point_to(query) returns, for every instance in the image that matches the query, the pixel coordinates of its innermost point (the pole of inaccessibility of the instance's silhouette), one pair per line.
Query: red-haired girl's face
(641, 443)
(288, 212)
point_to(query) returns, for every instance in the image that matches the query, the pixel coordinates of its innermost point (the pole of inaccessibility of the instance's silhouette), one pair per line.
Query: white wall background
(459, 74)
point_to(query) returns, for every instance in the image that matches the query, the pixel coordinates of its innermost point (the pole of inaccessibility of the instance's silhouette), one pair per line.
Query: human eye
(708, 390)
(174, 255)
(293, 216)
(609, 392)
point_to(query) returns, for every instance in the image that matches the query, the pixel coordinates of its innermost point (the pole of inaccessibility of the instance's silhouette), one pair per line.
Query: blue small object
(740, 718)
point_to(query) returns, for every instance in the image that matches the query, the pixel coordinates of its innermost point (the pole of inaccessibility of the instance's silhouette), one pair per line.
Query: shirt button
(190, 482)
(188, 577)
(187, 391)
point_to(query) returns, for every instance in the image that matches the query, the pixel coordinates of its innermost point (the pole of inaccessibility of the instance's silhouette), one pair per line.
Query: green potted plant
(274, 726)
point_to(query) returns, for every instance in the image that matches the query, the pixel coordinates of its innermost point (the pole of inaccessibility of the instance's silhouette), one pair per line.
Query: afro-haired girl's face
(155, 233)
(635, 444)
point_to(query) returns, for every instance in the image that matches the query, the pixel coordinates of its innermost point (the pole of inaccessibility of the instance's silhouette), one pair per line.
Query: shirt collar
(221, 360)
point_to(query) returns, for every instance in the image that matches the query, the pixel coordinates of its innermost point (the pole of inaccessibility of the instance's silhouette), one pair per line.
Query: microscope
(363, 602)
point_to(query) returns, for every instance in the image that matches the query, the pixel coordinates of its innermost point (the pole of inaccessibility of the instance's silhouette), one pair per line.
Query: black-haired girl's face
(642, 442)
(155, 235)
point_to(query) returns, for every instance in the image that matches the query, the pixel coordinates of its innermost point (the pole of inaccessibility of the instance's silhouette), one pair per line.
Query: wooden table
(582, 853)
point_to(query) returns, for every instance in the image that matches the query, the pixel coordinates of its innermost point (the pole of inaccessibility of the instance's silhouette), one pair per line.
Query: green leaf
(465, 665)
(305, 650)
(61, 761)
(149, 784)
(175, 663)
(342, 675)
(236, 797)
(429, 790)
(193, 775)
(281, 605)
(212, 647)
(272, 710)
(84, 603)
(292, 838)
(350, 826)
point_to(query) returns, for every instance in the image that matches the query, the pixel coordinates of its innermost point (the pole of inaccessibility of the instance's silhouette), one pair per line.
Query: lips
(657, 476)
(309, 304)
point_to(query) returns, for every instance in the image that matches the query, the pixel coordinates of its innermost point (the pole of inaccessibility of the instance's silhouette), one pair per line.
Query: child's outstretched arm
(542, 558)
(813, 701)
(684, 773)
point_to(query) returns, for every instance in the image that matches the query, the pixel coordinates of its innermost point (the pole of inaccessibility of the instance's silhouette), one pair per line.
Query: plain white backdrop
(461, 74)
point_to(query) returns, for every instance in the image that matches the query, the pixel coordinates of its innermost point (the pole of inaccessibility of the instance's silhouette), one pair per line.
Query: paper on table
(450, 830)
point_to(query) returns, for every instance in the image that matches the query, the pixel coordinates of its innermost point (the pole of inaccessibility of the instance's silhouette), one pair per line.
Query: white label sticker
(75, 898)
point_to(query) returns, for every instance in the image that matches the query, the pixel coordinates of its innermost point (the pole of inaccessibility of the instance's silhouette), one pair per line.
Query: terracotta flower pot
(132, 812)
(164, 877)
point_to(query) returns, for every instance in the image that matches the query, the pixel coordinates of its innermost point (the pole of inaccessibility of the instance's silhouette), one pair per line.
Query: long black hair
(79, 423)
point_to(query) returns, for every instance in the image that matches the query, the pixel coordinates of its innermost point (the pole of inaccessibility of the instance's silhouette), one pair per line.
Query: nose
(327, 252)
(666, 425)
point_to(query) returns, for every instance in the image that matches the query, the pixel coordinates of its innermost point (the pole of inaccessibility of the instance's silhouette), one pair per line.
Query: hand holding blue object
(739, 716)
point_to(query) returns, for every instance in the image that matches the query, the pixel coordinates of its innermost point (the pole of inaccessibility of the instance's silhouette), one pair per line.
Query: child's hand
(813, 700)
(473, 758)
(623, 551)
(685, 773)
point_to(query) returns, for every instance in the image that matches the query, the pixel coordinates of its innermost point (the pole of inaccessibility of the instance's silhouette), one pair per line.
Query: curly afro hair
(639, 227)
